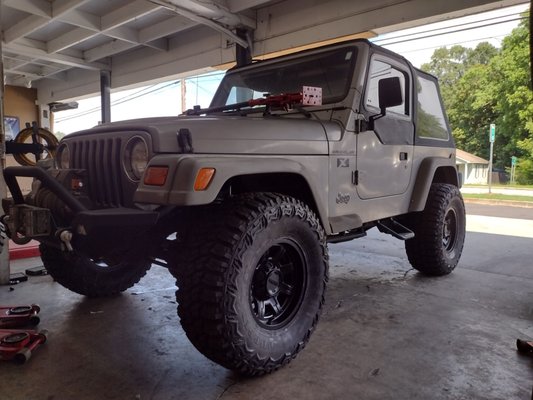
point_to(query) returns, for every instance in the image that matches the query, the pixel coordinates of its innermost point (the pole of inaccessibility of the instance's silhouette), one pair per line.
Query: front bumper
(90, 229)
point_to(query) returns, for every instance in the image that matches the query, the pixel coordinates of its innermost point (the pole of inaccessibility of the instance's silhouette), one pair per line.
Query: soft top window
(431, 122)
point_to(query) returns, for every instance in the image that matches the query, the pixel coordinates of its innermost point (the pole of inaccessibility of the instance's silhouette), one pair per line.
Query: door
(384, 154)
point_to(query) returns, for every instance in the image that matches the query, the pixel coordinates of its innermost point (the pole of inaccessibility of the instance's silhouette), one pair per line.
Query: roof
(469, 158)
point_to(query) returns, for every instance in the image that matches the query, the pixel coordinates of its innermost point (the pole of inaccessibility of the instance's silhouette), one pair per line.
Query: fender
(431, 170)
(179, 190)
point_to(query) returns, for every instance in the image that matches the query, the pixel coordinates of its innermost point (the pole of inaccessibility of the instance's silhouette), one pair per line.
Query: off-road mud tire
(82, 275)
(439, 232)
(224, 267)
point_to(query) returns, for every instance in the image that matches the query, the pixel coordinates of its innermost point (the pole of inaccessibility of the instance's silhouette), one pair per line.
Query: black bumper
(86, 222)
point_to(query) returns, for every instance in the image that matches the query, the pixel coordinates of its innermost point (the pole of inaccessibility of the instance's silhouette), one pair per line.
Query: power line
(95, 109)
(132, 96)
(450, 32)
(118, 101)
(449, 27)
(453, 44)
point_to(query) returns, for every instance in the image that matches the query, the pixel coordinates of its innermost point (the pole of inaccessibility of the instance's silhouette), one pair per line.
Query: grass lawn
(497, 196)
(514, 187)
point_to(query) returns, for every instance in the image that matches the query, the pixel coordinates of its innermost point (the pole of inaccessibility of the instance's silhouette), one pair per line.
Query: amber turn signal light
(203, 179)
(156, 176)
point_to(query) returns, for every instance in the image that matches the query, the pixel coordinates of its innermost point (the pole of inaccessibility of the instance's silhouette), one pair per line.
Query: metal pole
(105, 95)
(4, 254)
(490, 165)
(183, 95)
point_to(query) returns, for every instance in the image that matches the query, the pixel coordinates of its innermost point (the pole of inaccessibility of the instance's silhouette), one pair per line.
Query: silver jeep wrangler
(239, 200)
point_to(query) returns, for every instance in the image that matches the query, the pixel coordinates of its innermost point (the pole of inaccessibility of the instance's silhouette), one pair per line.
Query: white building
(474, 169)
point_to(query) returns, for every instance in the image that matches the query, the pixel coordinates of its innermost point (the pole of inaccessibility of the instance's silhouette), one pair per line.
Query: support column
(4, 254)
(105, 95)
(243, 55)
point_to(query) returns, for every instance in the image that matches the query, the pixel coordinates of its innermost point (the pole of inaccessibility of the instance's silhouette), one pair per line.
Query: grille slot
(100, 157)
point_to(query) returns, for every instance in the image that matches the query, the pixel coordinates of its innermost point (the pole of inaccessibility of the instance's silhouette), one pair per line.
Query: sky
(415, 44)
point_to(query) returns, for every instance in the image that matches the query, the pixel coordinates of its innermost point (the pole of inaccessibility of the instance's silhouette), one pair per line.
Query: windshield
(332, 71)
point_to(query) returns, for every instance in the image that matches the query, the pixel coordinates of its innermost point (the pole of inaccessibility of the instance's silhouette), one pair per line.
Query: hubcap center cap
(273, 282)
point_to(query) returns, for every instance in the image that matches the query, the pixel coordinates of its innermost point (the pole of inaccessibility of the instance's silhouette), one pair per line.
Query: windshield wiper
(286, 101)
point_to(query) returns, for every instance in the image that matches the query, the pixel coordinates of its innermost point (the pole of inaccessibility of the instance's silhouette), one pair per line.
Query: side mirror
(390, 95)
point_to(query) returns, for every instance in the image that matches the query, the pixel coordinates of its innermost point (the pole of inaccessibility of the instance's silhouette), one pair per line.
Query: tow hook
(66, 236)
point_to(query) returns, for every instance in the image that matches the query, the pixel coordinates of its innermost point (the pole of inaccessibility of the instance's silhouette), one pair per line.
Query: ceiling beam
(40, 8)
(82, 19)
(110, 25)
(42, 13)
(164, 28)
(236, 6)
(31, 51)
(216, 11)
(127, 13)
(202, 20)
(151, 36)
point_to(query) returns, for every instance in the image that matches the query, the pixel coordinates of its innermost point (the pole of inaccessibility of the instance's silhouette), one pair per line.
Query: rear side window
(431, 122)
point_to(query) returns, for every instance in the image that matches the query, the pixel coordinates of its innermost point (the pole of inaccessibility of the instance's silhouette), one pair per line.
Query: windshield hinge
(360, 123)
(185, 141)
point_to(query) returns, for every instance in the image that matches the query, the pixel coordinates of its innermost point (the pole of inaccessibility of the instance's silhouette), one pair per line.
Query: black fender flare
(431, 170)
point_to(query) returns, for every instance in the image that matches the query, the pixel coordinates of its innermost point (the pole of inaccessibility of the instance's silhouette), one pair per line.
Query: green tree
(512, 81)
(466, 84)
(524, 169)
(486, 85)
(450, 65)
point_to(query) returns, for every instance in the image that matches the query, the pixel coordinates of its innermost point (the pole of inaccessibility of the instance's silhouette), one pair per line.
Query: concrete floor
(386, 333)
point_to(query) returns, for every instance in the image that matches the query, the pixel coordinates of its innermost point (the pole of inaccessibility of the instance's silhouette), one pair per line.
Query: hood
(229, 135)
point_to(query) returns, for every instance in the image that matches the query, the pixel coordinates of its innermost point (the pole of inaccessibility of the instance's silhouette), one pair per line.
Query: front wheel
(92, 277)
(439, 232)
(252, 276)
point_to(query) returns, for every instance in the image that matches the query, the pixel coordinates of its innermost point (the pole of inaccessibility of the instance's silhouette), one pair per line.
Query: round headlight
(135, 158)
(63, 156)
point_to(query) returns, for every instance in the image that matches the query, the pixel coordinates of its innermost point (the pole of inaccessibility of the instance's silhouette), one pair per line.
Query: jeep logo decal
(342, 198)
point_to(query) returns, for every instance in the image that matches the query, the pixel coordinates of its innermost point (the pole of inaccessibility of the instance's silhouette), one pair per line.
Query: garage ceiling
(59, 46)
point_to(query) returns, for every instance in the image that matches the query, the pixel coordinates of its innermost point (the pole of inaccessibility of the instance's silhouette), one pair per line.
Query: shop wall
(19, 102)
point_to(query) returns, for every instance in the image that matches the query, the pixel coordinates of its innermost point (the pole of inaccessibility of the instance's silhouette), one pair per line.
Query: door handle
(403, 156)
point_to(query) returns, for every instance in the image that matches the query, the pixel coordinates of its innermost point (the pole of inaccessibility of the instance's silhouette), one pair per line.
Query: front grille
(101, 158)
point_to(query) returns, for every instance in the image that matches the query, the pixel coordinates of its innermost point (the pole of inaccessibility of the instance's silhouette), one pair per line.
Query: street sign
(513, 160)
(492, 132)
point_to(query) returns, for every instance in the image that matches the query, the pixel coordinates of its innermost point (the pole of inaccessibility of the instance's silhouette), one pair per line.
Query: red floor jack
(17, 345)
(17, 316)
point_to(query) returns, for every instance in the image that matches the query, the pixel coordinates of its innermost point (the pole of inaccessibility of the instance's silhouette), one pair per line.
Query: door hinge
(355, 177)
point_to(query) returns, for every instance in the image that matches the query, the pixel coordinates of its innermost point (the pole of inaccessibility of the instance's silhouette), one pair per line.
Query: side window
(380, 70)
(430, 120)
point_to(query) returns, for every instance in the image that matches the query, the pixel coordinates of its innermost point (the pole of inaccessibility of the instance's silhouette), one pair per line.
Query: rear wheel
(91, 277)
(252, 274)
(439, 232)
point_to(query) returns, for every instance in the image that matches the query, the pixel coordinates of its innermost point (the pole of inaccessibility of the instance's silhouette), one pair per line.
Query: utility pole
(492, 136)
(183, 95)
